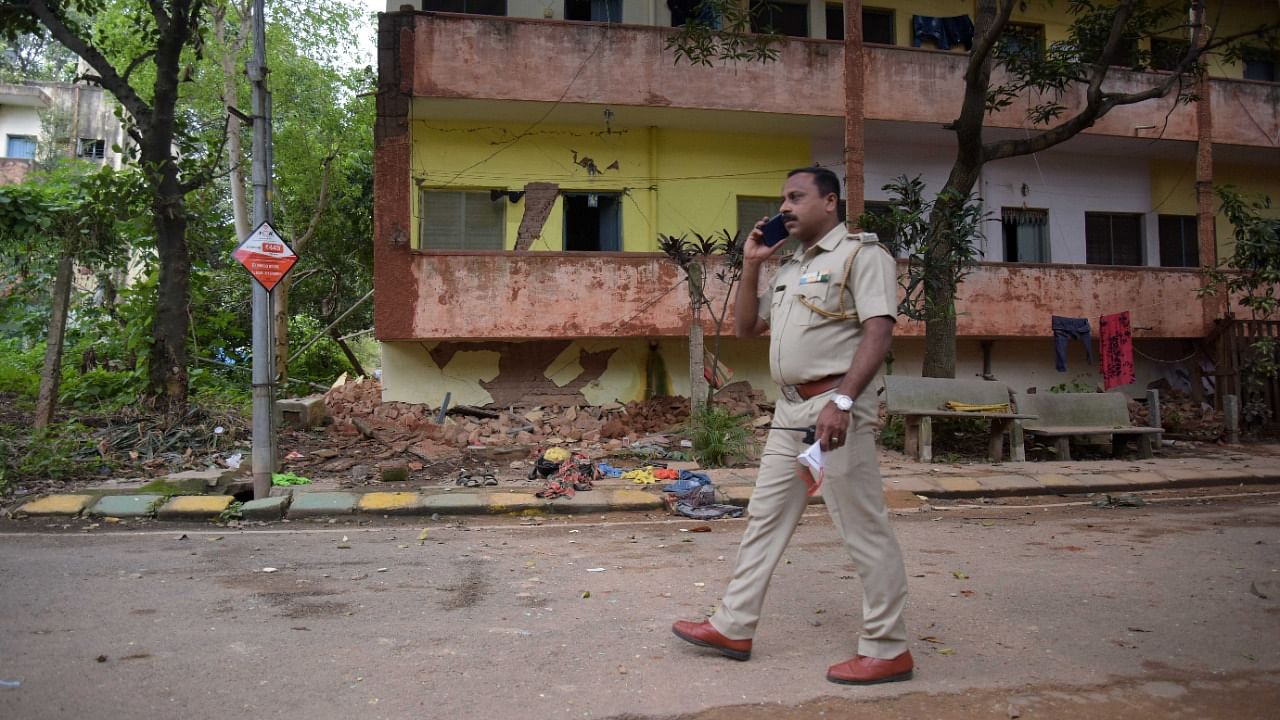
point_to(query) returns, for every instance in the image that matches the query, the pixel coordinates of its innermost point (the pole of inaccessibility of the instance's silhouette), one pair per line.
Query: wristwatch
(843, 402)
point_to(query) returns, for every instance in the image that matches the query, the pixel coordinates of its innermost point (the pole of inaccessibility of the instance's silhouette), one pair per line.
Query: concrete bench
(919, 400)
(1062, 416)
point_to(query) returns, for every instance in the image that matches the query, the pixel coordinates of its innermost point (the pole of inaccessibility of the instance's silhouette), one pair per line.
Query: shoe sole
(891, 678)
(738, 655)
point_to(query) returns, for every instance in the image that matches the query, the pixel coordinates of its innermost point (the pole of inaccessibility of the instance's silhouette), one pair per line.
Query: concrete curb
(934, 485)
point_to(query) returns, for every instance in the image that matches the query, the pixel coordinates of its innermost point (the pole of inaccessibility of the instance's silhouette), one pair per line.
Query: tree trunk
(940, 328)
(235, 153)
(699, 388)
(167, 369)
(51, 375)
(280, 318)
(854, 142)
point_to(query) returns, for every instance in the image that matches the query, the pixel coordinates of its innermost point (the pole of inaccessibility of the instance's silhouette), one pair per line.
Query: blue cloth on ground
(688, 480)
(609, 471)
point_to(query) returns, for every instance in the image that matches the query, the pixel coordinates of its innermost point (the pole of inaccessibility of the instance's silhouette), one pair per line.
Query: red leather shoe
(863, 670)
(703, 634)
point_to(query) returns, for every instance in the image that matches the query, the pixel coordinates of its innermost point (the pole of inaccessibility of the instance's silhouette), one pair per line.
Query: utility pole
(264, 435)
(854, 109)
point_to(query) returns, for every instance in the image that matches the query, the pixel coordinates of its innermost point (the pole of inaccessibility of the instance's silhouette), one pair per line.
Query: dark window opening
(783, 18)
(1259, 64)
(593, 221)
(91, 149)
(594, 10)
(1113, 239)
(1179, 242)
(682, 11)
(1026, 235)
(1166, 53)
(472, 7)
(879, 213)
(1023, 40)
(877, 26)
(835, 21)
(1126, 54)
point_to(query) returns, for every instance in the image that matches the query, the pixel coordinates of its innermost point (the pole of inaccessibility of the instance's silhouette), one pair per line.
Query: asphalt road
(1168, 610)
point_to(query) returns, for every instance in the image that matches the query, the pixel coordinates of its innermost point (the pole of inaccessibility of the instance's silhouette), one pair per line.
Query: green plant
(1075, 386)
(718, 435)
(288, 479)
(893, 433)
(233, 512)
(61, 451)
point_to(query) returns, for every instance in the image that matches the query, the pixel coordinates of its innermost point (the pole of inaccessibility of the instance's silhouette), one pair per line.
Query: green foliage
(57, 452)
(940, 254)
(1075, 386)
(234, 511)
(719, 436)
(323, 361)
(893, 433)
(286, 479)
(722, 30)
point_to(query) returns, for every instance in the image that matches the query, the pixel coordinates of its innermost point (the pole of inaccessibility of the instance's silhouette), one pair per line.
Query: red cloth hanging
(1117, 350)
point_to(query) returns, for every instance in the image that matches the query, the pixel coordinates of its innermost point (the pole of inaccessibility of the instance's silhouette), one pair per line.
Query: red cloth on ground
(1117, 350)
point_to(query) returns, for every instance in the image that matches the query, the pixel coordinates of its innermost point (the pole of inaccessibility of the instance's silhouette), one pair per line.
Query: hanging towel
(1117, 350)
(1066, 329)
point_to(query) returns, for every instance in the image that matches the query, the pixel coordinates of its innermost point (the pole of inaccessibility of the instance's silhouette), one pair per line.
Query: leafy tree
(35, 57)
(63, 219)
(140, 53)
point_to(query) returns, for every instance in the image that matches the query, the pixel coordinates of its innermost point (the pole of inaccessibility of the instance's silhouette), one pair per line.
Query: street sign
(266, 256)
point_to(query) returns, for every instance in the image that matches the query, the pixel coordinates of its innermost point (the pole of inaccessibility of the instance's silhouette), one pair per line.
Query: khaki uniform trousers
(854, 497)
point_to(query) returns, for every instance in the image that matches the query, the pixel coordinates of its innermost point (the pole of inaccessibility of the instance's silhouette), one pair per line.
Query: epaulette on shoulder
(866, 238)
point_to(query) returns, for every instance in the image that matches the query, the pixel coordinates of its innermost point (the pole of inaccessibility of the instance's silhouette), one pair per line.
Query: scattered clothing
(641, 476)
(958, 406)
(1117, 350)
(688, 481)
(608, 471)
(1066, 329)
(700, 503)
(944, 31)
(576, 474)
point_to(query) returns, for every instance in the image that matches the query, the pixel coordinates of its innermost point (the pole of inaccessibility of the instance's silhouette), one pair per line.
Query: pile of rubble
(357, 406)
(1182, 417)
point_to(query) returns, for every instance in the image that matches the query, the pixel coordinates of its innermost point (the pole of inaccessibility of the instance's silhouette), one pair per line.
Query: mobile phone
(775, 230)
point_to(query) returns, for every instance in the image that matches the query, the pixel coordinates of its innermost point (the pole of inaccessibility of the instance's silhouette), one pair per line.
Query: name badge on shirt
(815, 277)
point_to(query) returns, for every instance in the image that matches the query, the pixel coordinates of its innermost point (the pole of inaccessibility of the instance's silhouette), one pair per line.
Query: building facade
(529, 154)
(43, 120)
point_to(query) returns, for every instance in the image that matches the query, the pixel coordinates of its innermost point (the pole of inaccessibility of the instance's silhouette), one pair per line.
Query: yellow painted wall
(1173, 192)
(672, 181)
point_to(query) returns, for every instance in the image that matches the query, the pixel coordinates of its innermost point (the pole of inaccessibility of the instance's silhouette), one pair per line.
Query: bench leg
(1017, 447)
(1144, 446)
(926, 439)
(911, 436)
(1063, 446)
(995, 440)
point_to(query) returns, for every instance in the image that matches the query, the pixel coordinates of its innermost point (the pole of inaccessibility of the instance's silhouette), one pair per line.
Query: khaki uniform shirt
(807, 345)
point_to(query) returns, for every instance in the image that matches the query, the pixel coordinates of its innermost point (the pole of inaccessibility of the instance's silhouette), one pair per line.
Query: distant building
(43, 120)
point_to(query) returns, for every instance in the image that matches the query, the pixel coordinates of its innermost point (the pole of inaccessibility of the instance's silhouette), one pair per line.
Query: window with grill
(473, 7)
(1026, 235)
(1166, 53)
(460, 220)
(1113, 238)
(1179, 244)
(1024, 40)
(91, 149)
(594, 10)
(877, 24)
(1259, 64)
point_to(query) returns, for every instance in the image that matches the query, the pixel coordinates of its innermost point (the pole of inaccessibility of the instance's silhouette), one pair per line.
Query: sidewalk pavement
(904, 480)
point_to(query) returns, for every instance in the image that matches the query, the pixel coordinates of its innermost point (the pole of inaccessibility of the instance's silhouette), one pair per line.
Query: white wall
(17, 120)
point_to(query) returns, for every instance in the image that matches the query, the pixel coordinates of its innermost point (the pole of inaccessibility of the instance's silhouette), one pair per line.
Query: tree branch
(207, 171)
(135, 63)
(321, 202)
(108, 78)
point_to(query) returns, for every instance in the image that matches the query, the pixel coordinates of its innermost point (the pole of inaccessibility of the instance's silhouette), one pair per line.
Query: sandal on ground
(490, 480)
(467, 480)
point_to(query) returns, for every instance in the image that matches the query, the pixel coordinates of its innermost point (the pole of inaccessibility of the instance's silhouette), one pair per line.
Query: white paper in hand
(812, 468)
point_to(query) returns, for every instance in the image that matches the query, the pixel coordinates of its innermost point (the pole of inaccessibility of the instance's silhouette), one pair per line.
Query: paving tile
(456, 503)
(1059, 483)
(392, 503)
(959, 485)
(269, 508)
(126, 506)
(194, 507)
(318, 504)
(1006, 484)
(57, 505)
(635, 500)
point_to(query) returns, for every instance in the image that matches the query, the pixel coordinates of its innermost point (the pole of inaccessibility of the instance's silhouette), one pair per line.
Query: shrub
(718, 435)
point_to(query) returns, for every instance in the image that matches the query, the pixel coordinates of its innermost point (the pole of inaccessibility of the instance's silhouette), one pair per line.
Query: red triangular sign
(266, 256)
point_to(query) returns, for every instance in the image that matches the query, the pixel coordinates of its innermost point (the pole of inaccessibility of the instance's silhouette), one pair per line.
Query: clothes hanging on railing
(1116, 335)
(1066, 329)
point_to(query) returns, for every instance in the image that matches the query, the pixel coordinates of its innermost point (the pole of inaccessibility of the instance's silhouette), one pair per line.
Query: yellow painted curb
(388, 501)
(510, 502)
(958, 484)
(57, 505)
(196, 505)
(636, 497)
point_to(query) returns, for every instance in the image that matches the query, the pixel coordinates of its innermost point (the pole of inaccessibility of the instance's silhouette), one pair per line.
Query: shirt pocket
(812, 300)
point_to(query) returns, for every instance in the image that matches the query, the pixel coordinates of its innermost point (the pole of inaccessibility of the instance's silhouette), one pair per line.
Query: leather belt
(813, 388)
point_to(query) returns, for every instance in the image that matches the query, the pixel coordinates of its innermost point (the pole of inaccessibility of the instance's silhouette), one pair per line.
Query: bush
(718, 435)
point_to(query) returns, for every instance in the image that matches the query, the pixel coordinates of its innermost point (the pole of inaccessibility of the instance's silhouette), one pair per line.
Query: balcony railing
(500, 58)
(545, 295)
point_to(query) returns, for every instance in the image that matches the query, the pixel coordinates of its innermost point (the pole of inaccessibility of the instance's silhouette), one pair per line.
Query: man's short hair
(826, 180)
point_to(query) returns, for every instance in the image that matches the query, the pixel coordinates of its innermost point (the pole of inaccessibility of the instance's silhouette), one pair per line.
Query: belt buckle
(791, 393)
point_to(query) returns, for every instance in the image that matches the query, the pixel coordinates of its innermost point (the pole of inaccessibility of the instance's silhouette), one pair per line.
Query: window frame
(32, 139)
(466, 10)
(468, 195)
(1188, 240)
(1011, 219)
(97, 149)
(1033, 34)
(760, 9)
(1112, 218)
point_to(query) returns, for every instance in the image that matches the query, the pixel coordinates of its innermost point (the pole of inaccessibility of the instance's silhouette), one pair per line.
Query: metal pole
(264, 437)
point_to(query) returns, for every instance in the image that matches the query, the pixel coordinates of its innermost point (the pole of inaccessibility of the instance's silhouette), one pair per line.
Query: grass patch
(719, 436)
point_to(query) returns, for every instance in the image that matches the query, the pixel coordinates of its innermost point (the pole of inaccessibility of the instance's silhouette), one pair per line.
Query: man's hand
(833, 427)
(754, 250)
